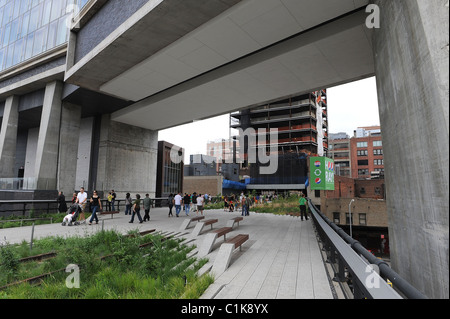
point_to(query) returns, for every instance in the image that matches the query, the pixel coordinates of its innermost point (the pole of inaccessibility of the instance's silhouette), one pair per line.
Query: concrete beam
(47, 153)
(412, 63)
(68, 147)
(8, 137)
(127, 159)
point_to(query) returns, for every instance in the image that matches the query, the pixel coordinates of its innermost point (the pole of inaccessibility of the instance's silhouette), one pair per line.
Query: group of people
(243, 202)
(132, 208)
(188, 202)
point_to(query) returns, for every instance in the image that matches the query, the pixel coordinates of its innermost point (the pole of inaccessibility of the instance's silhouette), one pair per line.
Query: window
(362, 190)
(361, 144)
(378, 162)
(377, 143)
(317, 193)
(377, 190)
(336, 218)
(362, 219)
(363, 162)
(362, 153)
(378, 152)
(363, 172)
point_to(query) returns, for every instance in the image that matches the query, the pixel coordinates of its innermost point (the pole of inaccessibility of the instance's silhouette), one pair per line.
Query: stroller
(72, 215)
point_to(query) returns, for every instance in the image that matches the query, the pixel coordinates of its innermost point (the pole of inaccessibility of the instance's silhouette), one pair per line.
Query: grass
(160, 271)
(280, 206)
(8, 222)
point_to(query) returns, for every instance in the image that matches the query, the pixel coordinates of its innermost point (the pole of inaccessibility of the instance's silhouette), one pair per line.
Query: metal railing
(354, 264)
(38, 207)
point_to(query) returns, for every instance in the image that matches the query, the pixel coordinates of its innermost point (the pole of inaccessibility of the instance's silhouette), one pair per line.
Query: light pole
(350, 215)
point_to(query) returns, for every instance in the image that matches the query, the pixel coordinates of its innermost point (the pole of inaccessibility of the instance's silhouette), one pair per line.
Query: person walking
(187, 203)
(109, 201)
(302, 202)
(200, 201)
(147, 203)
(178, 199)
(82, 200)
(136, 209)
(113, 200)
(170, 201)
(194, 202)
(62, 206)
(243, 205)
(96, 205)
(128, 204)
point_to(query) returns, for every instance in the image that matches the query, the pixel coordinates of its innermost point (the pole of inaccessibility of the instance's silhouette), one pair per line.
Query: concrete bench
(199, 227)
(223, 258)
(187, 222)
(211, 238)
(234, 220)
(107, 213)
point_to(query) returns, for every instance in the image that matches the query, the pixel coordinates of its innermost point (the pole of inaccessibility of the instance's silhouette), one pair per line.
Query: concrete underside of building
(89, 113)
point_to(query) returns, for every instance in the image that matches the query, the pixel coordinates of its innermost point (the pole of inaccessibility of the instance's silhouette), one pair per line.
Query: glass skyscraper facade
(31, 27)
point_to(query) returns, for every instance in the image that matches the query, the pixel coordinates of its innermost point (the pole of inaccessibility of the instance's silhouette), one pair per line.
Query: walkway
(281, 259)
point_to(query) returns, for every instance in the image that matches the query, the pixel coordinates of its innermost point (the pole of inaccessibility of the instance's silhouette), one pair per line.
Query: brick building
(369, 219)
(366, 151)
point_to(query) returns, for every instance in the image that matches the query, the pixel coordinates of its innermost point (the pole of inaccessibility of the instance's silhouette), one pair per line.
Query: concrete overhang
(256, 51)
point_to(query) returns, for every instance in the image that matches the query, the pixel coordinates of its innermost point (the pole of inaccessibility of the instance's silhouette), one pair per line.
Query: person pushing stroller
(72, 214)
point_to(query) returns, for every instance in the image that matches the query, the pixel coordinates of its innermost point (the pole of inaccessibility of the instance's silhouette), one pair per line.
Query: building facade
(367, 153)
(56, 136)
(301, 126)
(339, 151)
(170, 172)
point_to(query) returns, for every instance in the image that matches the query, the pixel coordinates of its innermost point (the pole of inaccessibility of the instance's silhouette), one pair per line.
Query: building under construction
(301, 129)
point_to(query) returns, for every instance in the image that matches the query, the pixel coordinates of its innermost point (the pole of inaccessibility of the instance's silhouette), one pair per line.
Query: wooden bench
(196, 219)
(223, 232)
(238, 240)
(234, 220)
(107, 213)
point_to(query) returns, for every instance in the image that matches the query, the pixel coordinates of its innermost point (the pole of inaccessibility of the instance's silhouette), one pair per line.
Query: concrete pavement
(281, 259)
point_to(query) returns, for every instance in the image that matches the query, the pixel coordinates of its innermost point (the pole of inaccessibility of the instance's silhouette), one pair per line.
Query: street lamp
(350, 215)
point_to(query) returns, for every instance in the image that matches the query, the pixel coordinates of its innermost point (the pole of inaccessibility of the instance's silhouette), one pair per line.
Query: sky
(349, 106)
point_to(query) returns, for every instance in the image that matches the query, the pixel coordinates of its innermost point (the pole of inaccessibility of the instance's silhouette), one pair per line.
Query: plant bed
(159, 270)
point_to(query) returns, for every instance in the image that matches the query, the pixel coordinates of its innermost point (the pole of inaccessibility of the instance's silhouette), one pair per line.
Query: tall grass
(160, 271)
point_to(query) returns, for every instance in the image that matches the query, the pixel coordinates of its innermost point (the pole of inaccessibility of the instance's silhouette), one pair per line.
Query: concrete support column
(127, 159)
(412, 63)
(47, 153)
(68, 147)
(8, 137)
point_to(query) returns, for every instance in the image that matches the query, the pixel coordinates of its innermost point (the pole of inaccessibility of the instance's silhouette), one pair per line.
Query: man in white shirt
(200, 202)
(81, 200)
(178, 200)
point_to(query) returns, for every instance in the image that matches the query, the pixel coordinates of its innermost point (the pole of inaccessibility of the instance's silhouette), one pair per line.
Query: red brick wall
(370, 157)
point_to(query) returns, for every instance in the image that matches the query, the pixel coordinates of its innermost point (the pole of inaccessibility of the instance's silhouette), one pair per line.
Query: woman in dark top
(136, 209)
(170, 202)
(62, 206)
(96, 204)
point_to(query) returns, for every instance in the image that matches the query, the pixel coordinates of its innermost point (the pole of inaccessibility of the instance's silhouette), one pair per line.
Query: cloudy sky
(349, 106)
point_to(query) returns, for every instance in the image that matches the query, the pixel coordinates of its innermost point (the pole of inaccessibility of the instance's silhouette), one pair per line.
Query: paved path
(281, 259)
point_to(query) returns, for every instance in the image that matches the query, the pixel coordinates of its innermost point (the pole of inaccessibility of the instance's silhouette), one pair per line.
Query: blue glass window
(31, 27)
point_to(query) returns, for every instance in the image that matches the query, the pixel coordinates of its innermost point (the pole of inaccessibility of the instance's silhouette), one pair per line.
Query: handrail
(330, 230)
(53, 204)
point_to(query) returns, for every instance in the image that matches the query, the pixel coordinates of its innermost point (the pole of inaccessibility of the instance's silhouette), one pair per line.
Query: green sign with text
(321, 173)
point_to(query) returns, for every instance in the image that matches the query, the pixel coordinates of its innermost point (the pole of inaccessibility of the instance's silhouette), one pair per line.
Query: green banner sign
(321, 173)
